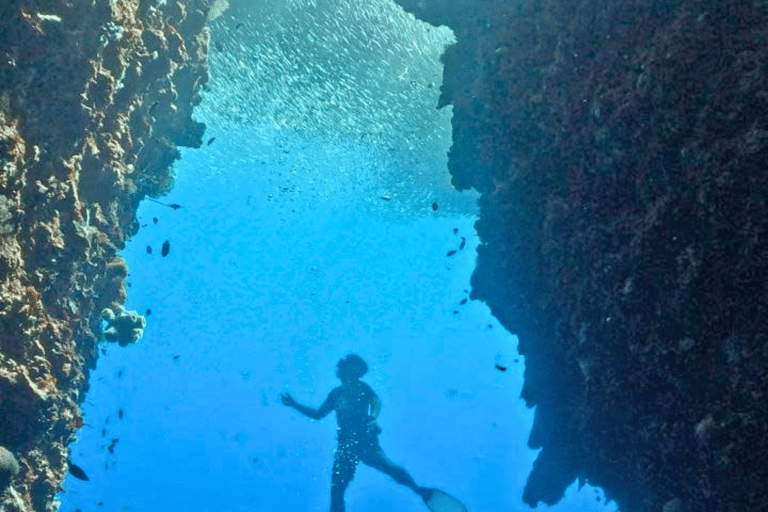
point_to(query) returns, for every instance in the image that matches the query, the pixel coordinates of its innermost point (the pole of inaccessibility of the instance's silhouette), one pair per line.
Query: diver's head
(351, 367)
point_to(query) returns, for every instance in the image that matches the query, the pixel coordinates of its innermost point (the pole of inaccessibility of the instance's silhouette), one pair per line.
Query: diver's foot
(424, 492)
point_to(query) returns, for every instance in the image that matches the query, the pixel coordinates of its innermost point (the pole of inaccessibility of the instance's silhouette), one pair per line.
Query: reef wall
(620, 149)
(94, 99)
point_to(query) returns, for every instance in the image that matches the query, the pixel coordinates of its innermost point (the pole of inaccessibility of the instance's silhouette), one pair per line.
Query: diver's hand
(288, 400)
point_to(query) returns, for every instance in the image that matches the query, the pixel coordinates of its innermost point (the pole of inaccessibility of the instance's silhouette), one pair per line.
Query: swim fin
(439, 501)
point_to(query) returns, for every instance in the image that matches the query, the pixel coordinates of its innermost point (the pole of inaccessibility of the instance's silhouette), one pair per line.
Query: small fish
(463, 301)
(176, 358)
(501, 368)
(462, 244)
(148, 312)
(119, 374)
(238, 26)
(455, 230)
(166, 249)
(385, 198)
(77, 471)
(434, 207)
(210, 141)
(103, 432)
(450, 253)
(120, 413)
(149, 249)
(154, 219)
(172, 206)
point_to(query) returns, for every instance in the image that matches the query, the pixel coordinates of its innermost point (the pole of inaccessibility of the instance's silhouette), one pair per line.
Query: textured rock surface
(620, 149)
(94, 99)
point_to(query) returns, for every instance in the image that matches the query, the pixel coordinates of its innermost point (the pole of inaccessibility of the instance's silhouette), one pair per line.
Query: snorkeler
(357, 407)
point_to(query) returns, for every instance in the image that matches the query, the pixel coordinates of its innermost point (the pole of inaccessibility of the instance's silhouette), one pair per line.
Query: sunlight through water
(317, 219)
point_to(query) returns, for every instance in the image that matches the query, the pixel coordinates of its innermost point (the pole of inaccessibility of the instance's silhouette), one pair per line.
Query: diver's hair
(354, 365)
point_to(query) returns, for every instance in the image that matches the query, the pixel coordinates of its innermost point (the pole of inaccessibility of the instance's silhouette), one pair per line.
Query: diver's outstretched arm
(311, 412)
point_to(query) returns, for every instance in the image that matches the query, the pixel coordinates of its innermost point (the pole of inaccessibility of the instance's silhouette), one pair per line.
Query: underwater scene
(383, 256)
(278, 269)
(290, 240)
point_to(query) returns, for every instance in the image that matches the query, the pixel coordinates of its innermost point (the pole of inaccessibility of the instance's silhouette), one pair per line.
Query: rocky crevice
(620, 150)
(94, 100)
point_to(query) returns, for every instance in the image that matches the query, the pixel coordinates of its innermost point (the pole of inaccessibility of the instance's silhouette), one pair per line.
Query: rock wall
(94, 99)
(620, 149)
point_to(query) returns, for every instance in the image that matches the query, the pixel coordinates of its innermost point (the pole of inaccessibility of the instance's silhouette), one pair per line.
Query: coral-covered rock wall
(94, 99)
(621, 149)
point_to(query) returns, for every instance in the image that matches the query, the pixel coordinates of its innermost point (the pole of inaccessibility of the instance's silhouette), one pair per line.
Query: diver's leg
(374, 456)
(344, 463)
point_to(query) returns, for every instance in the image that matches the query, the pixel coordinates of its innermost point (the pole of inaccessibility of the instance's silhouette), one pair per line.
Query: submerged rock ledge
(620, 149)
(94, 99)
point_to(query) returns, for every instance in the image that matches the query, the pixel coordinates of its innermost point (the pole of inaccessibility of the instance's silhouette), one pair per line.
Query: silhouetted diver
(357, 407)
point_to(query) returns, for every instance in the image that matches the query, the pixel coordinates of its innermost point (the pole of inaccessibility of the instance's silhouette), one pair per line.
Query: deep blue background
(282, 261)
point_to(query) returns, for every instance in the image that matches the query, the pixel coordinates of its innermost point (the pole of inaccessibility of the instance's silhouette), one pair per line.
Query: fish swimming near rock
(77, 471)
(172, 206)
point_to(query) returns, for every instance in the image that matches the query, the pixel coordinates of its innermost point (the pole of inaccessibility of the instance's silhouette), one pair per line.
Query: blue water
(308, 232)
(281, 262)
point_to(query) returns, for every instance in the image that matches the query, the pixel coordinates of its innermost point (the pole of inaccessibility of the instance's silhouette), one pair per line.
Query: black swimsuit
(351, 403)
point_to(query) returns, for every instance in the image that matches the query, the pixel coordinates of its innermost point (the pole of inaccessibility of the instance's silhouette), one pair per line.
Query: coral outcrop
(123, 326)
(95, 97)
(620, 149)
